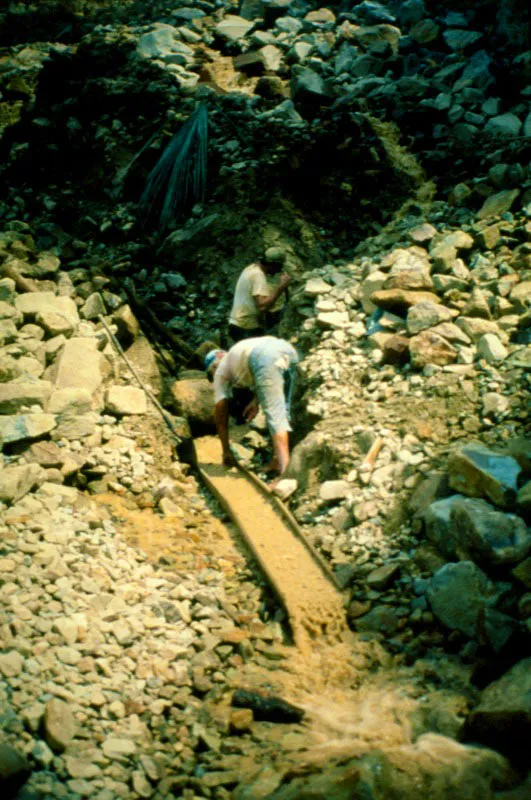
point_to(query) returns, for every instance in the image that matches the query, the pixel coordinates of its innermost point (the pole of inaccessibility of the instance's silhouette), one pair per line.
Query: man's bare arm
(266, 301)
(222, 425)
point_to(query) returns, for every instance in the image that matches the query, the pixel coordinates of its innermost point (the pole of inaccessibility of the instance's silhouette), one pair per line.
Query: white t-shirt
(251, 283)
(233, 369)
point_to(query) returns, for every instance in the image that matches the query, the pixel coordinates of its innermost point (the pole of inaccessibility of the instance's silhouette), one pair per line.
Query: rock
(93, 307)
(498, 203)
(285, 488)
(21, 427)
(59, 724)
(426, 315)
(127, 325)
(438, 526)
(475, 328)
(504, 125)
(194, 400)
(491, 349)
(431, 348)
(118, 749)
(79, 365)
(396, 351)
(162, 43)
(400, 300)
(477, 305)
(425, 31)
(56, 314)
(308, 87)
(241, 720)
(17, 481)
(381, 619)
(8, 331)
(333, 490)
(383, 577)
(11, 664)
(502, 719)
(316, 286)
(15, 770)
(15, 395)
(523, 500)
(450, 585)
(523, 572)
(476, 471)
(487, 535)
(520, 296)
(495, 404)
(124, 400)
(74, 400)
(232, 28)
(333, 320)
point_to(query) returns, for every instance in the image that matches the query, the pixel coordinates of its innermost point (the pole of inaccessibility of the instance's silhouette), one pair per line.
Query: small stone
(241, 720)
(59, 724)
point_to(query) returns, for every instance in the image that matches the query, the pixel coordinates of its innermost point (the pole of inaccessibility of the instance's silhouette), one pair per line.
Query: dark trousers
(238, 334)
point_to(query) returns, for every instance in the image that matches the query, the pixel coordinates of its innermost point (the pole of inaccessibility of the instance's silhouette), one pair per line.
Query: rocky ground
(384, 149)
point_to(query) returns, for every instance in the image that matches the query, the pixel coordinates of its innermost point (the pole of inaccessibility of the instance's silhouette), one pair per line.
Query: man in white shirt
(266, 365)
(253, 295)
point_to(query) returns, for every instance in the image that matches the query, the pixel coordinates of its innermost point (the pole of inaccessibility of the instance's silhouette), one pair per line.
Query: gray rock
(476, 471)
(448, 588)
(307, 86)
(15, 769)
(426, 315)
(458, 39)
(502, 719)
(487, 535)
(233, 28)
(504, 125)
(438, 526)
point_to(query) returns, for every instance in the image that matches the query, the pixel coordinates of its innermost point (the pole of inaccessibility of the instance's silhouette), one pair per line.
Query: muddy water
(314, 606)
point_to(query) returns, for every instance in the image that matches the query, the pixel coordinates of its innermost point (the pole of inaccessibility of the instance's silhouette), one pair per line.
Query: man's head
(211, 362)
(274, 259)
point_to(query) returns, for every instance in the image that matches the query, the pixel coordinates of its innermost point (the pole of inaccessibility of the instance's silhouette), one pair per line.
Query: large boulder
(478, 471)
(193, 398)
(463, 599)
(502, 720)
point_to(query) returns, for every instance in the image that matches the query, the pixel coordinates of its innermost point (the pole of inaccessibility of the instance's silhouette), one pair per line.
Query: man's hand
(228, 459)
(251, 410)
(285, 280)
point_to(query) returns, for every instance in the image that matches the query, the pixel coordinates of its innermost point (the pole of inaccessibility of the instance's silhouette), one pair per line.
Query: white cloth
(251, 283)
(233, 369)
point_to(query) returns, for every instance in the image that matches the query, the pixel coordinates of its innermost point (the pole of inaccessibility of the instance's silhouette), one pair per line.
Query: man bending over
(266, 365)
